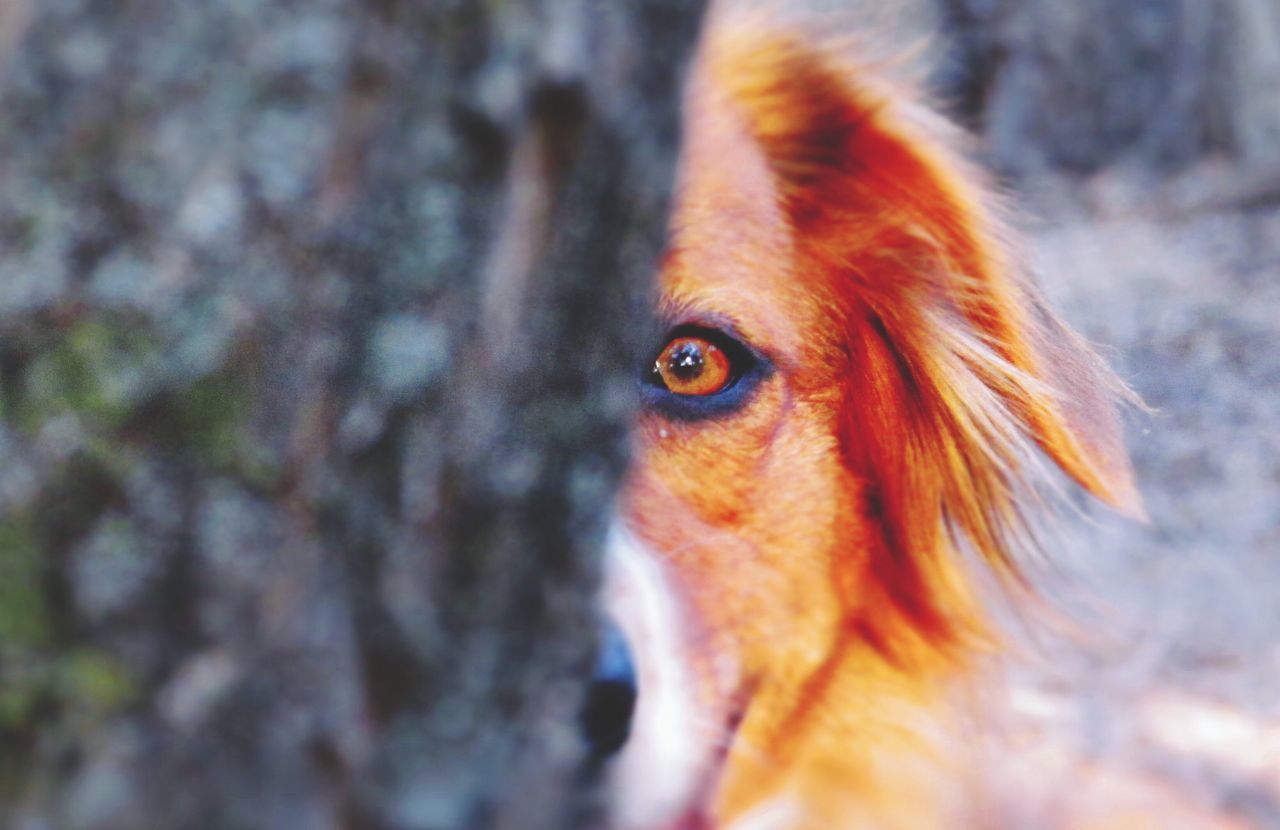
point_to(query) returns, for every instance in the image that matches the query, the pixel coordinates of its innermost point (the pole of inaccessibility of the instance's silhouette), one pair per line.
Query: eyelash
(748, 368)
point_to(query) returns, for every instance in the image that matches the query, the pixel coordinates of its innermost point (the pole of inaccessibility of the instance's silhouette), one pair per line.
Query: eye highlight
(693, 365)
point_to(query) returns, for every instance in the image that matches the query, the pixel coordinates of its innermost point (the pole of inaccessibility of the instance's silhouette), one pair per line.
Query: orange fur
(812, 538)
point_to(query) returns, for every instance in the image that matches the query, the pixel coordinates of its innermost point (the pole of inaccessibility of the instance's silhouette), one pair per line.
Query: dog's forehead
(731, 254)
(723, 172)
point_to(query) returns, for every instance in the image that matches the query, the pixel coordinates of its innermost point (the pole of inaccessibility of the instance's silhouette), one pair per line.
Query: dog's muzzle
(642, 715)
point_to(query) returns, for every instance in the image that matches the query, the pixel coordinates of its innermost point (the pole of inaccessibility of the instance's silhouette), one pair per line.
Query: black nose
(611, 698)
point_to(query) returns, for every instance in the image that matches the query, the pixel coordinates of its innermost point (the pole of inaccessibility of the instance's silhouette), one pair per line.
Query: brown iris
(694, 366)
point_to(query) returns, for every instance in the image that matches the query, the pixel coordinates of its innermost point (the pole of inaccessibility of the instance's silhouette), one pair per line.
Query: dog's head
(855, 383)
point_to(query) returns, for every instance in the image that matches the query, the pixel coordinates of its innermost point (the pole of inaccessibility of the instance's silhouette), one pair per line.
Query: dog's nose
(611, 698)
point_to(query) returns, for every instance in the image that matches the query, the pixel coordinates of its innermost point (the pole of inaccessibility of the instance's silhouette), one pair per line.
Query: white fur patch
(658, 772)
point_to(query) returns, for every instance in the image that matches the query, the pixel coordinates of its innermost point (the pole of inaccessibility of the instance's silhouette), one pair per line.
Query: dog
(849, 422)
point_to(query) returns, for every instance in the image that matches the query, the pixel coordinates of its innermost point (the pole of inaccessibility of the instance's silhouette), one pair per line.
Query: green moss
(94, 371)
(85, 685)
(115, 374)
(23, 615)
(93, 684)
(214, 411)
(21, 684)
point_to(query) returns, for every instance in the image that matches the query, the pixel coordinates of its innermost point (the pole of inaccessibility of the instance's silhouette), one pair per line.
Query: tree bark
(1079, 86)
(318, 329)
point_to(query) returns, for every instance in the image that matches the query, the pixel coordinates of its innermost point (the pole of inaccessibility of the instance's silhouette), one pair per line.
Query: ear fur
(961, 382)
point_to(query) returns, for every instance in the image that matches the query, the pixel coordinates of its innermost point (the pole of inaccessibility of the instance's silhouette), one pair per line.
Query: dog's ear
(961, 382)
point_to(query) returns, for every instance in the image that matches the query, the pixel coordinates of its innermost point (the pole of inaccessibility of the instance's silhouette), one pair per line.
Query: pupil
(686, 361)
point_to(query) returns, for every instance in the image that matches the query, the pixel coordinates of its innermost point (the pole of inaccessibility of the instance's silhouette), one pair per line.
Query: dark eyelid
(714, 336)
(673, 324)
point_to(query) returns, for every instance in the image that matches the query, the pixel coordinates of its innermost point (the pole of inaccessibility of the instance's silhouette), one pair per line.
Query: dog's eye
(702, 372)
(693, 365)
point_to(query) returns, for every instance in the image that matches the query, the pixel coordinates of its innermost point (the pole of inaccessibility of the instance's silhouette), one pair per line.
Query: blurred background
(1141, 141)
(316, 336)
